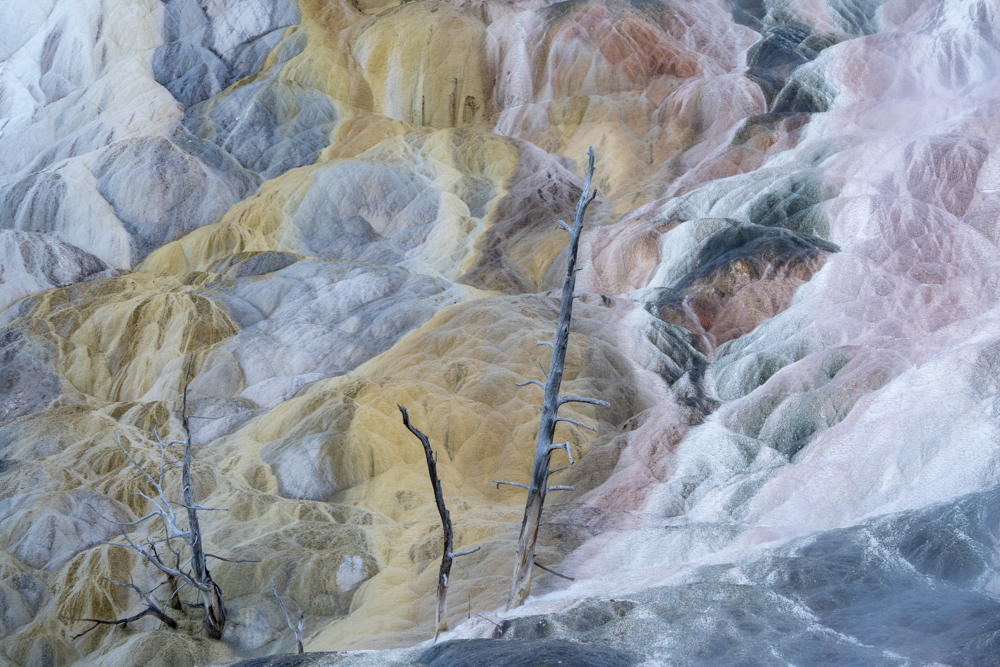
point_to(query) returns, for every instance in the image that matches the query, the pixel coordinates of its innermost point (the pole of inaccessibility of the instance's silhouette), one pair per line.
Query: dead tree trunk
(211, 594)
(448, 557)
(521, 584)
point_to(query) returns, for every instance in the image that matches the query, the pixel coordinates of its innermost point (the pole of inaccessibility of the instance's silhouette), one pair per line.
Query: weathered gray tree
(184, 545)
(449, 556)
(540, 472)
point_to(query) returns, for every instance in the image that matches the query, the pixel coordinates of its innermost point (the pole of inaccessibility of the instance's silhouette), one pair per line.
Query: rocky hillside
(790, 297)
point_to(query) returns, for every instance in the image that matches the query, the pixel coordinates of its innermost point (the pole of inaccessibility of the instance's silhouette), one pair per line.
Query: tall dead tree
(538, 487)
(449, 556)
(199, 576)
(190, 561)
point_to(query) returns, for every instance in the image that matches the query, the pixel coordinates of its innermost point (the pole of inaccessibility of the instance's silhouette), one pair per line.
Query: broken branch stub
(523, 562)
(449, 556)
(551, 571)
(297, 629)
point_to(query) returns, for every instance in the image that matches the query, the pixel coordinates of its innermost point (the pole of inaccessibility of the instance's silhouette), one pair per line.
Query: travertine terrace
(790, 297)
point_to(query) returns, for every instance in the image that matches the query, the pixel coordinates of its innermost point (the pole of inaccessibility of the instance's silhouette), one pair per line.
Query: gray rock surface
(268, 125)
(22, 594)
(462, 653)
(64, 201)
(31, 262)
(44, 530)
(898, 590)
(27, 381)
(211, 45)
(312, 319)
(160, 192)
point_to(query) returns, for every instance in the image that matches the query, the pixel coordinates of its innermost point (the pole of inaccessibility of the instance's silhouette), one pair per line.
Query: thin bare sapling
(449, 556)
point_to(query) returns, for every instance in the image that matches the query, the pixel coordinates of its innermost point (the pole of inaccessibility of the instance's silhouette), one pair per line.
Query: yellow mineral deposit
(458, 372)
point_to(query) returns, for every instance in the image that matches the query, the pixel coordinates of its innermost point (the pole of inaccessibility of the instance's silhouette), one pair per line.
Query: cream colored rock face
(788, 288)
(408, 56)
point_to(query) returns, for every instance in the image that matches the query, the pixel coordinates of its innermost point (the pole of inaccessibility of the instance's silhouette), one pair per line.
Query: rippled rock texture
(790, 296)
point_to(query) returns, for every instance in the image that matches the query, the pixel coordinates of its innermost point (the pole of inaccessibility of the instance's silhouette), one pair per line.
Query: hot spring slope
(789, 298)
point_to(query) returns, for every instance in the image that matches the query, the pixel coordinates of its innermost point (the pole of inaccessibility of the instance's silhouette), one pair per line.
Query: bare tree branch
(573, 421)
(565, 447)
(486, 619)
(143, 594)
(580, 399)
(525, 384)
(297, 629)
(523, 486)
(449, 557)
(133, 462)
(122, 523)
(551, 571)
(151, 610)
(165, 444)
(211, 594)
(148, 611)
(230, 560)
(199, 507)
